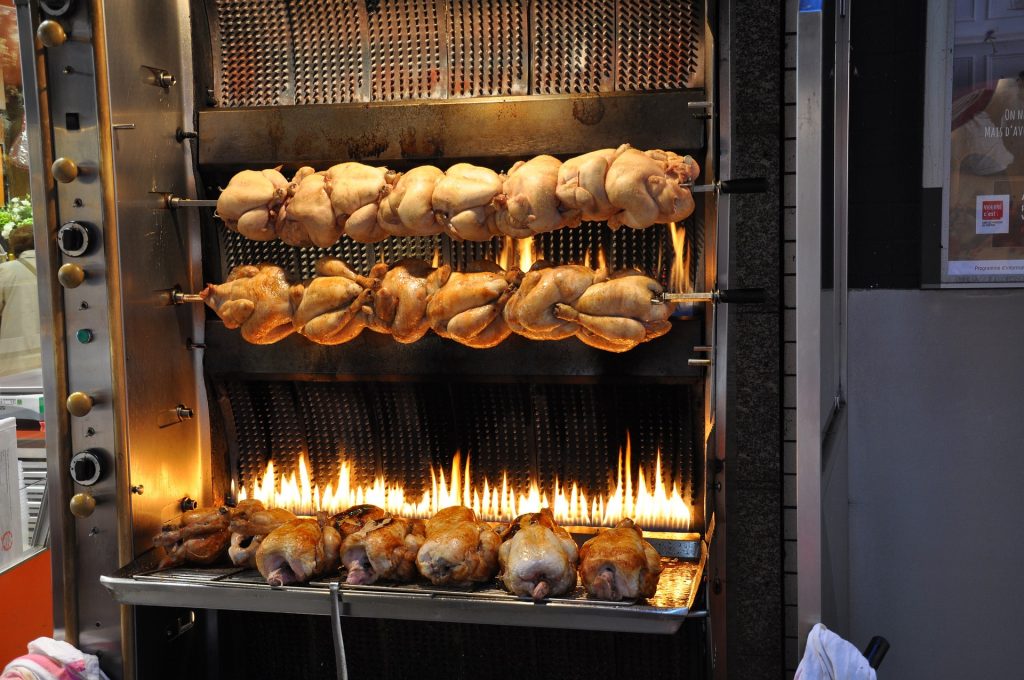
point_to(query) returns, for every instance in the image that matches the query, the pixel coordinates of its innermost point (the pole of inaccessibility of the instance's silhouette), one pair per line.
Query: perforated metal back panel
(282, 52)
(649, 250)
(402, 430)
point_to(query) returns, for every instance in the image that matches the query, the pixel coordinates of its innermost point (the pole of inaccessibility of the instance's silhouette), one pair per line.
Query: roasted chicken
(400, 306)
(459, 550)
(618, 564)
(298, 551)
(250, 524)
(616, 313)
(468, 308)
(384, 548)
(251, 203)
(531, 309)
(528, 203)
(256, 299)
(198, 536)
(469, 202)
(334, 307)
(538, 558)
(348, 522)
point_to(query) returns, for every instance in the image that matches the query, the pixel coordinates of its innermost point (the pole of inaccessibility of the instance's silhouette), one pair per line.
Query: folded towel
(830, 657)
(50, 659)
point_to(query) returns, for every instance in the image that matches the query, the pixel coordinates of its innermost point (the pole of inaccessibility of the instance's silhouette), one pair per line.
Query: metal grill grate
(487, 47)
(282, 52)
(403, 430)
(658, 44)
(573, 46)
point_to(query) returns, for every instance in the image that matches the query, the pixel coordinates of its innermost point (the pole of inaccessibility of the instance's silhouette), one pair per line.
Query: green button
(84, 335)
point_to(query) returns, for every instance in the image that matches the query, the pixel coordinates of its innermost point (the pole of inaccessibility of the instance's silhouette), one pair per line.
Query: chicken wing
(298, 551)
(538, 558)
(618, 564)
(459, 550)
(385, 548)
(255, 298)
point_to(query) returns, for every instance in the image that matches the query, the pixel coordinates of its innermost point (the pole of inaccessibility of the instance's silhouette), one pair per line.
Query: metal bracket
(339, 641)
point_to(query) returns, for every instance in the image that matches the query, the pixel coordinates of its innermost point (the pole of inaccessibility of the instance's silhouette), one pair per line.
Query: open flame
(517, 253)
(650, 501)
(679, 280)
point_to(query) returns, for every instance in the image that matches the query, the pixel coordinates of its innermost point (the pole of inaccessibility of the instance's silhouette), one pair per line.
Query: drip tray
(244, 589)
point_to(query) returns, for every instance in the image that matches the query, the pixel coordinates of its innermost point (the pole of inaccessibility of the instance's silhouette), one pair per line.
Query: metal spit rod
(339, 641)
(734, 295)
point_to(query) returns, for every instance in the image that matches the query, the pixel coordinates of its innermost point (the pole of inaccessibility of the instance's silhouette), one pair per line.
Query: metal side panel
(512, 127)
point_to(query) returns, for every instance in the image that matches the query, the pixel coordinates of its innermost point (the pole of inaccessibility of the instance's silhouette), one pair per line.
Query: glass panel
(986, 190)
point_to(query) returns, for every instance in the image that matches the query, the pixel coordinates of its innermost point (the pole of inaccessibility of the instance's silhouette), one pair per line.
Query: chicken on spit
(463, 201)
(384, 548)
(528, 203)
(468, 308)
(459, 550)
(198, 536)
(400, 306)
(309, 217)
(531, 309)
(615, 313)
(251, 522)
(538, 558)
(647, 190)
(255, 299)
(356, 191)
(408, 209)
(251, 203)
(581, 185)
(297, 551)
(335, 306)
(618, 564)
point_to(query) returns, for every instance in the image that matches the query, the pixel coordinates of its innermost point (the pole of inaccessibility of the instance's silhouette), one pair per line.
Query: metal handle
(339, 641)
(748, 185)
(876, 651)
(743, 296)
(179, 202)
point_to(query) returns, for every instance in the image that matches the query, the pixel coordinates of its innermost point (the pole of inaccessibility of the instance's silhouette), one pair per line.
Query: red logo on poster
(7, 542)
(991, 210)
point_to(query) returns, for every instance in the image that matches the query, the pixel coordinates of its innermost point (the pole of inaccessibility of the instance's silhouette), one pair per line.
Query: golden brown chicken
(468, 308)
(538, 558)
(400, 306)
(251, 522)
(385, 549)
(198, 536)
(335, 306)
(616, 314)
(348, 522)
(256, 299)
(618, 564)
(531, 309)
(298, 551)
(459, 549)
(251, 203)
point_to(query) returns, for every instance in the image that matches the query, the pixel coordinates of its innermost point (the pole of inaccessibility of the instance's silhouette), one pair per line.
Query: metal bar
(455, 128)
(336, 634)
(178, 202)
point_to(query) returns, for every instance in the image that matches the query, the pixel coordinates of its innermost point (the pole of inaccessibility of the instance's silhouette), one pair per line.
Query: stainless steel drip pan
(140, 583)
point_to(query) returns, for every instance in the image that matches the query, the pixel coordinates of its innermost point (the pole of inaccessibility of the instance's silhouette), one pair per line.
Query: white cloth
(19, 315)
(830, 657)
(50, 659)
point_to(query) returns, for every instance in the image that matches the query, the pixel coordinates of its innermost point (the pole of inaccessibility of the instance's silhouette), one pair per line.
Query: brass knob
(79, 404)
(51, 33)
(82, 505)
(70, 275)
(64, 170)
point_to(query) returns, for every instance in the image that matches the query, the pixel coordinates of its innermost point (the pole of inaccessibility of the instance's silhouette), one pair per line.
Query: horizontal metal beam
(493, 127)
(372, 356)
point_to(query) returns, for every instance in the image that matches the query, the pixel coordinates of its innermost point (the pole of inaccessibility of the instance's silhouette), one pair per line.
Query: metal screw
(77, 203)
(89, 432)
(165, 79)
(138, 489)
(181, 135)
(188, 504)
(83, 305)
(94, 531)
(68, 70)
(189, 344)
(184, 412)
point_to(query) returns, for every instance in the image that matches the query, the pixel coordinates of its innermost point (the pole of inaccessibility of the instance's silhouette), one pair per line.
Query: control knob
(82, 505)
(73, 238)
(86, 468)
(70, 275)
(64, 170)
(79, 404)
(51, 33)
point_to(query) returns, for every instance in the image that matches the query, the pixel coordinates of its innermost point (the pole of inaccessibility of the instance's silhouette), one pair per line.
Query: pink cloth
(50, 659)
